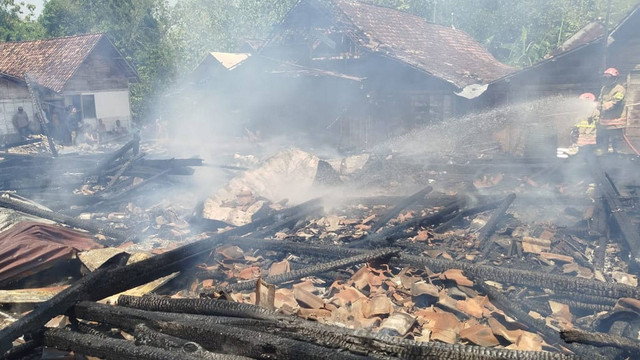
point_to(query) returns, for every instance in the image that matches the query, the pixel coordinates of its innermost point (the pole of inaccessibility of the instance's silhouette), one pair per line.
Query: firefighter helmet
(612, 72)
(587, 97)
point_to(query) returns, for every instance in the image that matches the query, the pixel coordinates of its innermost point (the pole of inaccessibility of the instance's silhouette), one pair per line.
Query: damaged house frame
(352, 74)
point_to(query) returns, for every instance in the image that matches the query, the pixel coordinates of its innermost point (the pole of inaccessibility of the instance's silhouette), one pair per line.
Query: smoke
(477, 133)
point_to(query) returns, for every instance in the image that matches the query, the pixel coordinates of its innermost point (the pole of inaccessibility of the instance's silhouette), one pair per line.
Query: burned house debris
(353, 74)
(436, 244)
(85, 71)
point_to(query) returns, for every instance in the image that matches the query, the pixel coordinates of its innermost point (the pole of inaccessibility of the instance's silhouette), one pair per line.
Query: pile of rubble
(485, 259)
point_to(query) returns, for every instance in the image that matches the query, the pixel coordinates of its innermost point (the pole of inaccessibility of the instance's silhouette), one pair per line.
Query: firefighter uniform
(612, 118)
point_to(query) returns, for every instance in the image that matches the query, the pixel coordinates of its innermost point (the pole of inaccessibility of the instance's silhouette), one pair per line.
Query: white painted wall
(110, 106)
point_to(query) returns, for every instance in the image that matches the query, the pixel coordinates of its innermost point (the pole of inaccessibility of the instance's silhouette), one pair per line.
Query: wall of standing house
(98, 89)
(13, 94)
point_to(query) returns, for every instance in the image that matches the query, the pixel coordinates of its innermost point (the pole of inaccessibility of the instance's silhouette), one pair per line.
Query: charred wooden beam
(309, 271)
(384, 237)
(128, 318)
(521, 277)
(133, 144)
(147, 336)
(357, 341)
(399, 207)
(629, 232)
(171, 163)
(513, 310)
(106, 348)
(600, 340)
(20, 143)
(109, 281)
(7, 202)
(579, 296)
(467, 212)
(122, 169)
(490, 227)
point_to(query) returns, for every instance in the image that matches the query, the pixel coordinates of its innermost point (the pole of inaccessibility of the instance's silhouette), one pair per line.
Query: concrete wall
(12, 95)
(110, 106)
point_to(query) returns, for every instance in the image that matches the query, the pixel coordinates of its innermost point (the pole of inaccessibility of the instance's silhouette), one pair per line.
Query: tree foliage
(16, 22)
(516, 32)
(138, 28)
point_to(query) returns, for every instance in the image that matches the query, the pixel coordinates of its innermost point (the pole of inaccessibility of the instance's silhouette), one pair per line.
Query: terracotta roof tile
(51, 62)
(443, 52)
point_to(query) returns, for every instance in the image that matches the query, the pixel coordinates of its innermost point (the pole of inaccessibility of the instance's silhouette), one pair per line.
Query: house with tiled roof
(84, 71)
(357, 73)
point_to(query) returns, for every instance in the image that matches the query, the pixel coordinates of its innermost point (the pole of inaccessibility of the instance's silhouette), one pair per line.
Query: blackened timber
(122, 169)
(171, 163)
(20, 143)
(505, 304)
(398, 208)
(7, 202)
(357, 341)
(128, 318)
(106, 348)
(109, 281)
(467, 212)
(629, 232)
(490, 227)
(254, 344)
(386, 236)
(133, 187)
(601, 339)
(520, 277)
(288, 221)
(102, 165)
(147, 336)
(311, 270)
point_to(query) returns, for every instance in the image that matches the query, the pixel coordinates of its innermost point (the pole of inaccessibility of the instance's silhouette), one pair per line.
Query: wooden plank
(31, 296)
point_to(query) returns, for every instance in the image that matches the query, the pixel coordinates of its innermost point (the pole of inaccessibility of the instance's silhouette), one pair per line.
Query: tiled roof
(443, 52)
(51, 62)
(589, 33)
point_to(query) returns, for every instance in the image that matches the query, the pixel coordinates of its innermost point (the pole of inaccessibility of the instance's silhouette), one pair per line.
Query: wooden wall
(98, 72)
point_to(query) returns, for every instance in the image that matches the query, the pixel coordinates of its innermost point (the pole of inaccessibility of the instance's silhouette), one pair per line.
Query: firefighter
(584, 133)
(612, 118)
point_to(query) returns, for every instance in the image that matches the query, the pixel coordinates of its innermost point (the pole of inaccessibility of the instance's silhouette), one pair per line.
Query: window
(88, 107)
(85, 105)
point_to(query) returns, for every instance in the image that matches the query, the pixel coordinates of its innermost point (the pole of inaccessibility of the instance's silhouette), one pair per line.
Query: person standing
(21, 123)
(584, 132)
(612, 118)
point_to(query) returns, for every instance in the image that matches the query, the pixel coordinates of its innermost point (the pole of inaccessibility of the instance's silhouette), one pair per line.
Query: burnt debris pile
(391, 257)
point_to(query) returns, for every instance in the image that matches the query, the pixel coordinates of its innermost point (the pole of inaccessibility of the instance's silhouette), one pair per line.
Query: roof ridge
(53, 38)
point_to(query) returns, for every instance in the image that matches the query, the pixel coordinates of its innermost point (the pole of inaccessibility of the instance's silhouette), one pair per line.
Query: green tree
(516, 32)
(200, 26)
(16, 22)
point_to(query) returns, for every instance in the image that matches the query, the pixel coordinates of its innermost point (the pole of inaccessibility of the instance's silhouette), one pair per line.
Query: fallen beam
(91, 226)
(490, 227)
(629, 232)
(357, 341)
(106, 348)
(106, 282)
(308, 271)
(147, 336)
(399, 207)
(600, 340)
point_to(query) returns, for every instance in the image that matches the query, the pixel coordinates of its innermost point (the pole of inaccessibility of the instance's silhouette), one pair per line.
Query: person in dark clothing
(21, 123)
